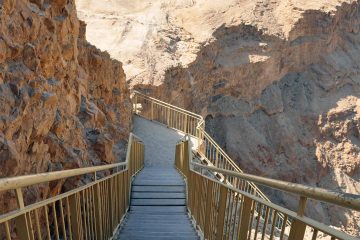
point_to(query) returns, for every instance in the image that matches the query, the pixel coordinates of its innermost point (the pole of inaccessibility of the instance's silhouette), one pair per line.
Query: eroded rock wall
(283, 107)
(63, 103)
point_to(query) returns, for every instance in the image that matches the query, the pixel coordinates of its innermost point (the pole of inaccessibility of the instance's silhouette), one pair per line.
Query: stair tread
(158, 206)
(156, 209)
(156, 195)
(158, 202)
(158, 189)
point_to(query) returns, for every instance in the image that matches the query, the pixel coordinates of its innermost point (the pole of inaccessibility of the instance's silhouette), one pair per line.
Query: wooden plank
(154, 195)
(158, 189)
(159, 182)
(156, 227)
(159, 209)
(158, 202)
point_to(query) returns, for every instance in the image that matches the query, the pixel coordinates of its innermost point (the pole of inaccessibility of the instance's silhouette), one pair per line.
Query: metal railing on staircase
(224, 211)
(91, 211)
(209, 152)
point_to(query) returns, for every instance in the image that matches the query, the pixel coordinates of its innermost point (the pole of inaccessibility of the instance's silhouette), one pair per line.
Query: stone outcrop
(63, 103)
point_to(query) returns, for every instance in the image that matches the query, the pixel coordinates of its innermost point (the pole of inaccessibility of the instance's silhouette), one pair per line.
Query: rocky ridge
(63, 103)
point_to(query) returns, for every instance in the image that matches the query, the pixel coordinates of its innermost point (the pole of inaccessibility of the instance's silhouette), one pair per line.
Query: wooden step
(142, 188)
(158, 202)
(156, 195)
(158, 209)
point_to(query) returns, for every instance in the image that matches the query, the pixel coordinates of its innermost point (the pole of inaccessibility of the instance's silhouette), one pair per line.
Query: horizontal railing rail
(224, 211)
(347, 200)
(172, 116)
(92, 211)
(139, 94)
(27, 180)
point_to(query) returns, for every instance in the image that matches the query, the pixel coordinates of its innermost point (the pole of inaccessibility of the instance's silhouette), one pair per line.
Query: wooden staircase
(157, 207)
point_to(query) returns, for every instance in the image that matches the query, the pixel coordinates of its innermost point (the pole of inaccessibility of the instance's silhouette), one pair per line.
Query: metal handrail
(225, 211)
(169, 105)
(343, 199)
(91, 211)
(28, 180)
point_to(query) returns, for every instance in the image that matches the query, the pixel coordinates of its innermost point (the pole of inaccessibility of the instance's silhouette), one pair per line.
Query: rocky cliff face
(283, 101)
(63, 103)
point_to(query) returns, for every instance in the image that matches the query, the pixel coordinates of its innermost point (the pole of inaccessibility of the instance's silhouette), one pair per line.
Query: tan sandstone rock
(46, 68)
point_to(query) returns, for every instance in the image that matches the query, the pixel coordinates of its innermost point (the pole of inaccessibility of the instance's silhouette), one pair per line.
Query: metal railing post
(209, 200)
(221, 213)
(152, 110)
(245, 218)
(135, 106)
(298, 228)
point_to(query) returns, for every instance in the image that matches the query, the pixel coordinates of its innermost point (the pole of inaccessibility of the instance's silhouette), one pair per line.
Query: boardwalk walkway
(158, 200)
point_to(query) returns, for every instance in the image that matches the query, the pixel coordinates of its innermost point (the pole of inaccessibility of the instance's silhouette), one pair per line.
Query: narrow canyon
(277, 81)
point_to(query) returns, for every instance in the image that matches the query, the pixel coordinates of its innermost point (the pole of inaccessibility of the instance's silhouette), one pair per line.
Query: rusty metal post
(298, 228)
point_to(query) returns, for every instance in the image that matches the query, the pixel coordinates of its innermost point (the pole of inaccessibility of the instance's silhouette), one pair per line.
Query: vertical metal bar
(37, 223)
(7, 231)
(273, 225)
(221, 213)
(245, 217)
(22, 227)
(20, 198)
(252, 218)
(89, 209)
(31, 229)
(135, 103)
(108, 202)
(76, 220)
(314, 236)
(229, 208)
(62, 219)
(209, 200)
(68, 217)
(102, 214)
(283, 227)
(186, 124)
(55, 221)
(265, 222)
(93, 212)
(121, 202)
(84, 213)
(47, 221)
(236, 211)
(105, 213)
(298, 228)
(87, 212)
